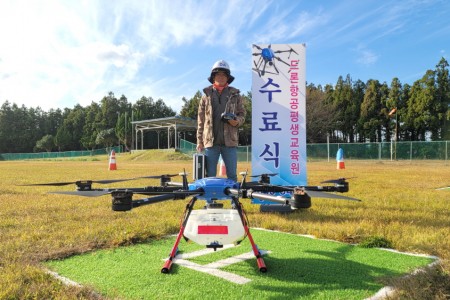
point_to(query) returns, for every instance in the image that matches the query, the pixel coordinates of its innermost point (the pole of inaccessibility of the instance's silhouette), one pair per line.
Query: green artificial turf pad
(298, 267)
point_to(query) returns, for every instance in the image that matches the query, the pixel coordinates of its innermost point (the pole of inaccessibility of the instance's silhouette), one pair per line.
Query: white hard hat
(220, 66)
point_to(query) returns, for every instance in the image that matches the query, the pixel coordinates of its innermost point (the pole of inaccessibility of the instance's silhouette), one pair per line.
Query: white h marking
(213, 268)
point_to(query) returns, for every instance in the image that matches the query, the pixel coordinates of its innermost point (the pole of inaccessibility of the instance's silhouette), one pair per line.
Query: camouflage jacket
(235, 105)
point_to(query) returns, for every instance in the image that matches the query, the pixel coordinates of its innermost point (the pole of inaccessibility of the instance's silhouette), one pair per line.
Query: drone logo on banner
(267, 58)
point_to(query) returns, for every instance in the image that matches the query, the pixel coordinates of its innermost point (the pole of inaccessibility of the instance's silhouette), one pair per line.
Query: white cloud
(365, 56)
(78, 51)
(59, 53)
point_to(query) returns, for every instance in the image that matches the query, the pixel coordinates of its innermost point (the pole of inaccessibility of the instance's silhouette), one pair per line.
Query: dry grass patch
(400, 204)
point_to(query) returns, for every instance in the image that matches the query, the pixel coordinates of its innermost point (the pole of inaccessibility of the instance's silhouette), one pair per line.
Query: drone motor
(342, 186)
(122, 200)
(84, 185)
(300, 199)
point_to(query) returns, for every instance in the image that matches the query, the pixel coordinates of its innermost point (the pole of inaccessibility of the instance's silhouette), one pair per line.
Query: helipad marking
(63, 279)
(214, 267)
(202, 252)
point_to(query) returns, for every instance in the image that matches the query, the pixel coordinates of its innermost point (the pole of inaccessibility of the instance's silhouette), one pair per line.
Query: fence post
(391, 149)
(247, 154)
(379, 151)
(410, 150)
(328, 146)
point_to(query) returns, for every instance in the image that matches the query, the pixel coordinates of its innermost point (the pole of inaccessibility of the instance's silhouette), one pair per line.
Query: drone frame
(210, 189)
(268, 56)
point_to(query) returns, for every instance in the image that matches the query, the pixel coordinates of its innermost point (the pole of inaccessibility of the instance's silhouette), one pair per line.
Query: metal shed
(175, 124)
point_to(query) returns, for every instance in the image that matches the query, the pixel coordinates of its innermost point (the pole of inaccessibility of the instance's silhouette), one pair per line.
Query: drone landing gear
(259, 260)
(237, 205)
(168, 264)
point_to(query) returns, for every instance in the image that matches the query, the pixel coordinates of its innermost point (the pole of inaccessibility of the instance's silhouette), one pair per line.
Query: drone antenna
(244, 178)
(185, 182)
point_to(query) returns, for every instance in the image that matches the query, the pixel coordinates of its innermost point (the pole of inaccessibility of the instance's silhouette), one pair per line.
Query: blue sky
(56, 54)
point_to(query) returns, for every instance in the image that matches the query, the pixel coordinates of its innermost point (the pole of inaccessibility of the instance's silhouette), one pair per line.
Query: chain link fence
(54, 155)
(436, 150)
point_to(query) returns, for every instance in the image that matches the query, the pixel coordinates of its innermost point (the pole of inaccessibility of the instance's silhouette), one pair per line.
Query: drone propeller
(83, 193)
(300, 198)
(317, 194)
(107, 181)
(284, 51)
(257, 47)
(339, 180)
(292, 50)
(264, 178)
(265, 174)
(140, 191)
(264, 186)
(157, 176)
(280, 60)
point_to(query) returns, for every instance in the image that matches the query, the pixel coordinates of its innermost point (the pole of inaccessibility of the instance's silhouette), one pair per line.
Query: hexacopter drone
(214, 226)
(267, 56)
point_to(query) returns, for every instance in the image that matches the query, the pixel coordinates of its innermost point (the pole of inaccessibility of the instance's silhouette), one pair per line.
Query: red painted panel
(212, 229)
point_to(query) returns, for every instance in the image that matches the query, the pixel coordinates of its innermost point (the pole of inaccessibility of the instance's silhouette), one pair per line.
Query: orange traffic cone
(340, 159)
(222, 168)
(112, 161)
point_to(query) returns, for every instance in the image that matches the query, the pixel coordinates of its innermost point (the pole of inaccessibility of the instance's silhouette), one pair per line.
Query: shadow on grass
(332, 274)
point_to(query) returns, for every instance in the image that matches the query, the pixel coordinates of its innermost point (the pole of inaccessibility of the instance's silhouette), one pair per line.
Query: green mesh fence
(53, 155)
(437, 150)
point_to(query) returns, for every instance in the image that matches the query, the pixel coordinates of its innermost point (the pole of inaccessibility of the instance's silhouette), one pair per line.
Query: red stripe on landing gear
(212, 230)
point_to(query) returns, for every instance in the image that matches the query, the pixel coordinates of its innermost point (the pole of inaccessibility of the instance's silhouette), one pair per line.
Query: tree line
(376, 112)
(349, 111)
(98, 125)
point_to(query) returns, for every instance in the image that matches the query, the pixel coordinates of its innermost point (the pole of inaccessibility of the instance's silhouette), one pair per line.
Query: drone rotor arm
(252, 194)
(174, 184)
(257, 47)
(262, 196)
(280, 60)
(152, 200)
(178, 192)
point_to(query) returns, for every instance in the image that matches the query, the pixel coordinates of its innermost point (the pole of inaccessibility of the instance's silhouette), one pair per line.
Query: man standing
(220, 113)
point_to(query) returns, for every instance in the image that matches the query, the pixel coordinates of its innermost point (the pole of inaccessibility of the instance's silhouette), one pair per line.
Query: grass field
(299, 267)
(400, 204)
